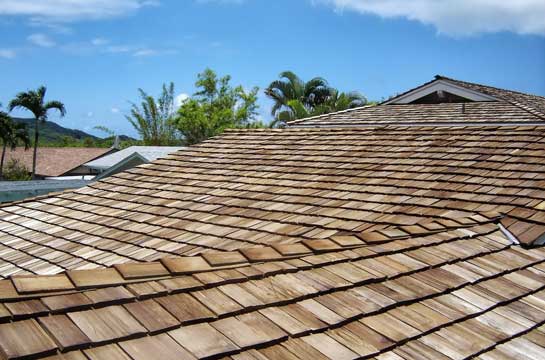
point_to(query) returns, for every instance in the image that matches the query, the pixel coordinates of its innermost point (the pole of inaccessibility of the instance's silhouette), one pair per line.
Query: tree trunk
(35, 150)
(2, 162)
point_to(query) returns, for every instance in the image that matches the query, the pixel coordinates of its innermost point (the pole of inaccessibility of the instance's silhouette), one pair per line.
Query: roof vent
(116, 144)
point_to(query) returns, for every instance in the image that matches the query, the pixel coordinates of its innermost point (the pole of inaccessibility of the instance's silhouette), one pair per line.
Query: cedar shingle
(105, 324)
(34, 340)
(64, 332)
(203, 340)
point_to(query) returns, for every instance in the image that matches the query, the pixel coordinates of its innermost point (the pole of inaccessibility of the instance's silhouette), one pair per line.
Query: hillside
(53, 134)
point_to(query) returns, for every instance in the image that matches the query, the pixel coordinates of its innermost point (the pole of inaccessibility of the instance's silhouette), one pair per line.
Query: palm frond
(57, 105)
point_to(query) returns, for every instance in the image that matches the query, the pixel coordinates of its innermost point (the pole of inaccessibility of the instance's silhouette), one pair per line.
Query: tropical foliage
(215, 106)
(296, 99)
(16, 171)
(152, 119)
(11, 134)
(34, 101)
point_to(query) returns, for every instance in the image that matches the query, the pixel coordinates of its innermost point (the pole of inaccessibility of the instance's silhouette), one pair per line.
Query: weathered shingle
(386, 243)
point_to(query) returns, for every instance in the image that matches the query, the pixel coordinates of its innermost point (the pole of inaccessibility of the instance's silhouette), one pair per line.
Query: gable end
(439, 87)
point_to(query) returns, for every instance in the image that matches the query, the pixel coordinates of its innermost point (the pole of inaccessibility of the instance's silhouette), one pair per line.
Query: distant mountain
(53, 133)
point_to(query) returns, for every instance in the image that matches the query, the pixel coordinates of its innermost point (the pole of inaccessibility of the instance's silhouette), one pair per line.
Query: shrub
(16, 171)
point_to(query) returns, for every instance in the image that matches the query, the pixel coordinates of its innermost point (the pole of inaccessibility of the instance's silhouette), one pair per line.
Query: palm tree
(339, 101)
(290, 87)
(294, 110)
(33, 101)
(11, 134)
(336, 101)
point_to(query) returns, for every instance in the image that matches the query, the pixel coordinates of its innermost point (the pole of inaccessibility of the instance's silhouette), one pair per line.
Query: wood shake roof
(533, 103)
(510, 107)
(340, 243)
(475, 113)
(379, 242)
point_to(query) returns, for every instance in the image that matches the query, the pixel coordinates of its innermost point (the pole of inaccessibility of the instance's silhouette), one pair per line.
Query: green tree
(214, 107)
(105, 129)
(338, 101)
(11, 134)
(153, 118)
(16, 171)
(89, 142)
(34, 101)
(296, 99)
(66, 141)
(290, 87)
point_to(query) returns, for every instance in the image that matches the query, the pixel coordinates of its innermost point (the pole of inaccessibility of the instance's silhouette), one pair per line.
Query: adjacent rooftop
(55, 162)
(442, 101)
(149, 153)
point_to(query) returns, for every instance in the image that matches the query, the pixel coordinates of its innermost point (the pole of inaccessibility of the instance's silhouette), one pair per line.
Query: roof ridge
(441, 77)
(343, 126)
(330, 113)
(530, 109)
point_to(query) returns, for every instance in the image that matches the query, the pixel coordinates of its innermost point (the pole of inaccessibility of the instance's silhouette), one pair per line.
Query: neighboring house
(350, 240)
(58, 168)
(128, 158)
(58, 162)
(442, 101)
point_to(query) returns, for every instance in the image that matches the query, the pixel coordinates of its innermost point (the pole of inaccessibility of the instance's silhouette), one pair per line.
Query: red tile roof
(53, 161)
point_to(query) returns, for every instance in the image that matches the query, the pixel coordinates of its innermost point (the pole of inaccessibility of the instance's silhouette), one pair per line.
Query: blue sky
(94, 54)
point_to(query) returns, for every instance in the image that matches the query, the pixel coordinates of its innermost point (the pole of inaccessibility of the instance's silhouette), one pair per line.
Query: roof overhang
(439, 85)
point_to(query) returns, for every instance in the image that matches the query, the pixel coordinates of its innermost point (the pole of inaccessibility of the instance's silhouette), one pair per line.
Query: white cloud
(137, 51)
(90, 114)
(221, 1)
(71, 10)
(457, 17)
(118, 49)
(115, 110)
(180, 99)
(145, 52)
(41, 40)
(51, 26)
(99, 41)
(7, 53)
